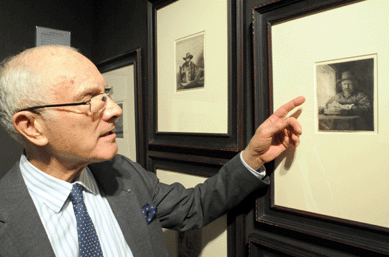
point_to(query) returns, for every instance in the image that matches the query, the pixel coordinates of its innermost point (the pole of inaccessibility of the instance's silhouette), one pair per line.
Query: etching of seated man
(349, 101)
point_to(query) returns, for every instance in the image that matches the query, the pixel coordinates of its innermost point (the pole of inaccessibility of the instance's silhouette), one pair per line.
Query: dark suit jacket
(127, 187)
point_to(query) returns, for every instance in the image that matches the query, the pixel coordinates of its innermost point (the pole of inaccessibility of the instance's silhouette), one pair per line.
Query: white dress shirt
(51, 199)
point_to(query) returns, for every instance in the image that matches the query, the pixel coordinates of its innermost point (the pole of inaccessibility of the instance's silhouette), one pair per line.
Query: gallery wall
(118, 27)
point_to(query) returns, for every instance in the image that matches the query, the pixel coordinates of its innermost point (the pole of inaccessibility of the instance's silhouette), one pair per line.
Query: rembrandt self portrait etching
(345, 95)
(190, 62)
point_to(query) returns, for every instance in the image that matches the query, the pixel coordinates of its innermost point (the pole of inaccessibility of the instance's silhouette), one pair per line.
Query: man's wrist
(259, 173)
(250, 160)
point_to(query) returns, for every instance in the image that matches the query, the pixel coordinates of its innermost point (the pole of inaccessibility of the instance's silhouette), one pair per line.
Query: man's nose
(112, 110)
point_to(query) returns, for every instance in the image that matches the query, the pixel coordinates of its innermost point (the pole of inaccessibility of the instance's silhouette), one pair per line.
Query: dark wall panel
(119, 27)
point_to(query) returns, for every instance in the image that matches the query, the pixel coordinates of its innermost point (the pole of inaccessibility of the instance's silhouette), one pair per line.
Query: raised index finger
(286, 108)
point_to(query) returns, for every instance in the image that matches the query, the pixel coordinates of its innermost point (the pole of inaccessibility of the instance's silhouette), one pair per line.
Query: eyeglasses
(96, 104)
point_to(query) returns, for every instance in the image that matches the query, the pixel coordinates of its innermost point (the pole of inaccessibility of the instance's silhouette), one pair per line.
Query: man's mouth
(108, 133)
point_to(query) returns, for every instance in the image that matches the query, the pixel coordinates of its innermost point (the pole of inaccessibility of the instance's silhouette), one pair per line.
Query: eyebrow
(89, 92)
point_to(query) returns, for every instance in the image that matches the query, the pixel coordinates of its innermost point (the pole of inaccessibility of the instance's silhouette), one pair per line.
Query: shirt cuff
(260, 173)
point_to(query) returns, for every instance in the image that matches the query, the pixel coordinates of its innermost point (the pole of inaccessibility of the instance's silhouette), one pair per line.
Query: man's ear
(29, 125)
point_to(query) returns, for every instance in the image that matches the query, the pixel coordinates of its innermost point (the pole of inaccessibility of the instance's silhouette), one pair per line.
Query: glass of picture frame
(322, 188)
(195, 78)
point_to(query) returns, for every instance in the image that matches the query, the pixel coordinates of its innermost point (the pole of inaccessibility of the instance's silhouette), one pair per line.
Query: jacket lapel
(22, 232)
(125, 207)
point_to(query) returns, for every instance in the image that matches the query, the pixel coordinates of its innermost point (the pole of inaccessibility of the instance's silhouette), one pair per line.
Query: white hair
(21, 86)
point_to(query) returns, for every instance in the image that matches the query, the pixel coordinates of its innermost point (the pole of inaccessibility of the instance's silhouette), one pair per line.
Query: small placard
(47, 36)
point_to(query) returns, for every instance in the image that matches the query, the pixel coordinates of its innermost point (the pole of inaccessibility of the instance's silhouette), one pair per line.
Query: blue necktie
(88, 241)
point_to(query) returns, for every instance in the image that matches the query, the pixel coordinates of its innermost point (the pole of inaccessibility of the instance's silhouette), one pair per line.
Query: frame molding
(201, 143)
(351, 233)
(128, 58)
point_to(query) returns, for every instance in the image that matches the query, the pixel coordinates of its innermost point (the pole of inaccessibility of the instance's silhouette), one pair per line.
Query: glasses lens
(109, 91)
(97, 103)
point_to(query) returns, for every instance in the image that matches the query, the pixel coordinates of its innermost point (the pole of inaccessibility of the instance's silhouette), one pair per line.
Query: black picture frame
(188, 164)
(363, 236)
(132, 57)
(264, 245)
(201, 143)
(205, 167)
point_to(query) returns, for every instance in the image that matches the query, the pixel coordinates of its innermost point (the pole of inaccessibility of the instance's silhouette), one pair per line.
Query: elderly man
(72, 195)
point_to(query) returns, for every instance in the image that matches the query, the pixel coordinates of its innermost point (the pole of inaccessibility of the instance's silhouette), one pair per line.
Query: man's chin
(107, 154)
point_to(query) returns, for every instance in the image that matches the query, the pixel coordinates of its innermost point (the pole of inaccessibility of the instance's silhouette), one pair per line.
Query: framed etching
(123, 74)
(190, 65)
(195, 79)
(347, 95)
(333, 53)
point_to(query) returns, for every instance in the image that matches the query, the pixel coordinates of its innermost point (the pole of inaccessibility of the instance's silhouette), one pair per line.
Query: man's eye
(108, 90)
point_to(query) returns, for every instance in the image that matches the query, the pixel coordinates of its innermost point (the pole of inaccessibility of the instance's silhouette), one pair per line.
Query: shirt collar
(52, 191)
